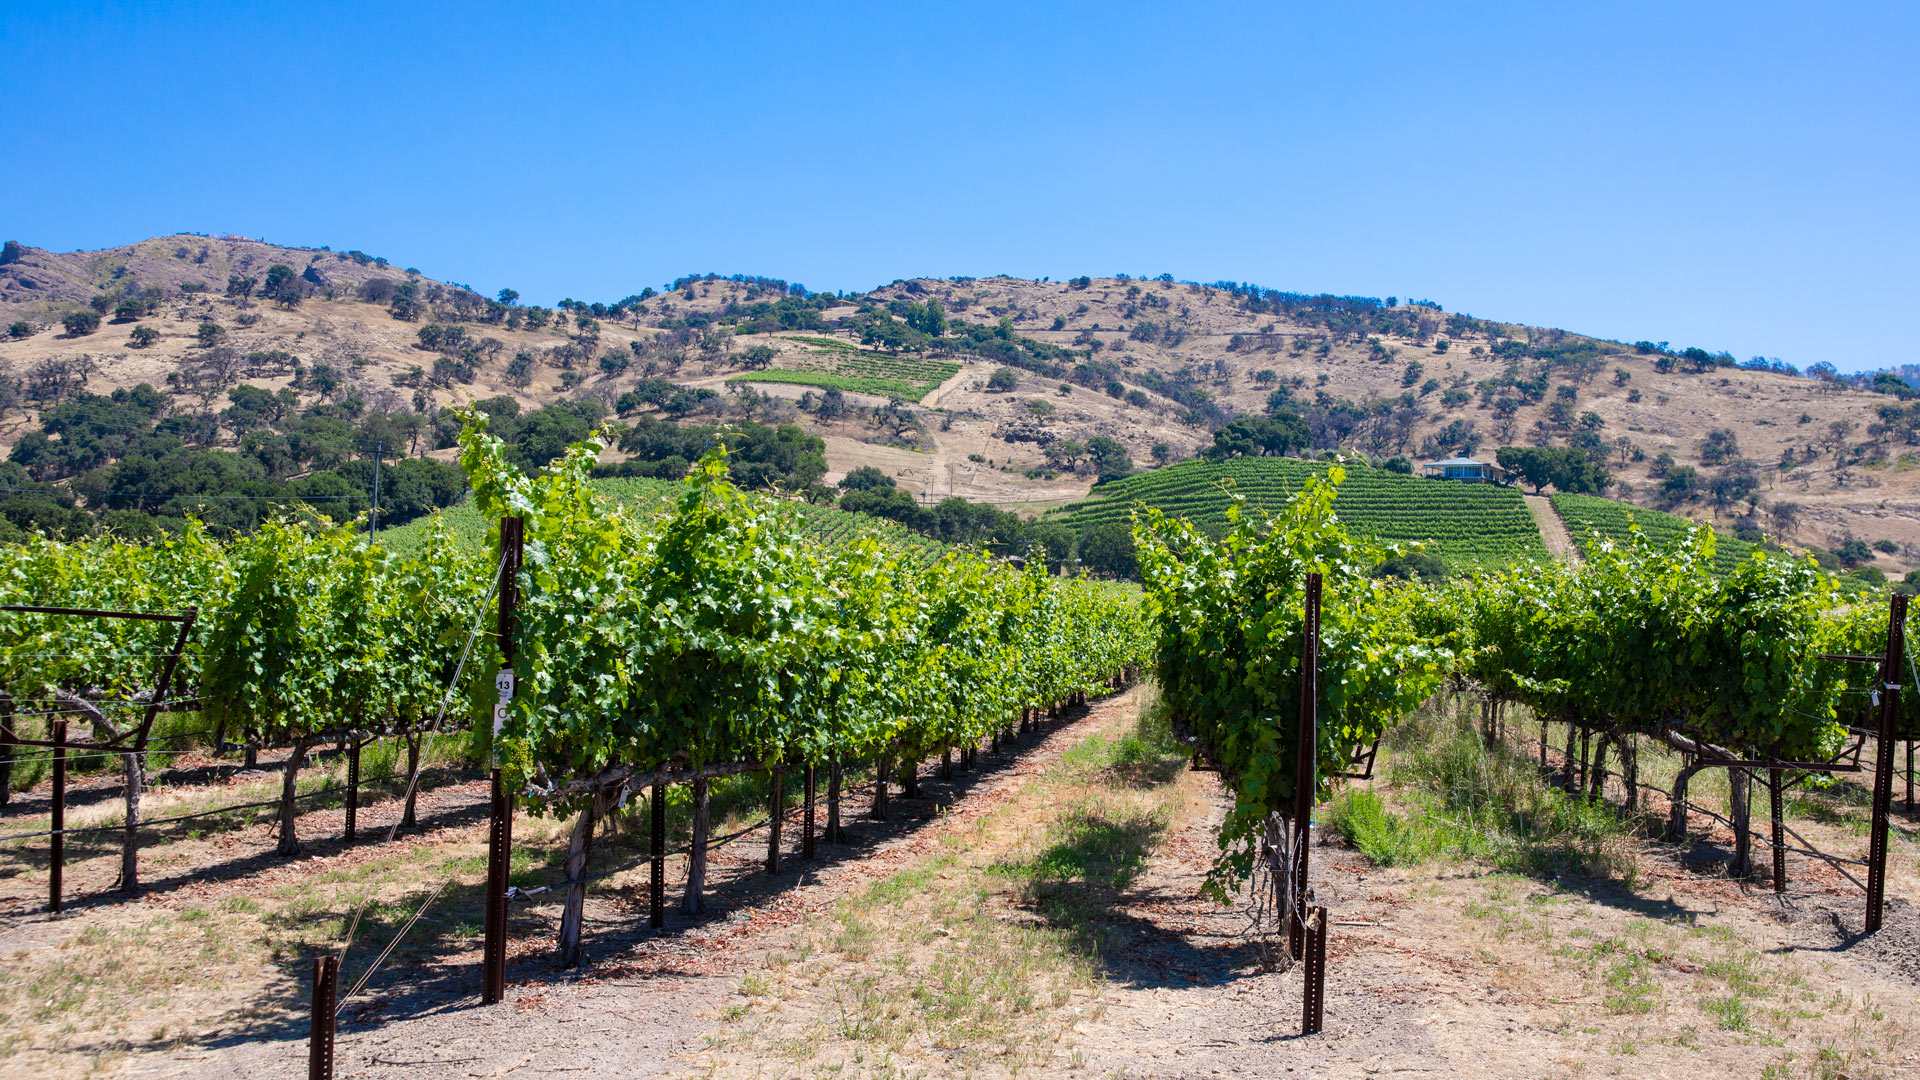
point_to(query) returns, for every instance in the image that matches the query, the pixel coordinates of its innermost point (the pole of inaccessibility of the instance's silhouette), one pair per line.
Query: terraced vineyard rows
(839, 365)
(1471, 526)
(1586, 515)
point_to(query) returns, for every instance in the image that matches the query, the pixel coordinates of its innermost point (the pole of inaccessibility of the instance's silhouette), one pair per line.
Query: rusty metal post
(658, 849)
(1889, 688)
(806, 836)
(493, 956)
(1313, 991)
(777, 801)
(1774, 778)
(1306, 776)
(353, 787)
(57, 861)
(326, 989)
(1586, 752)
(6, 749)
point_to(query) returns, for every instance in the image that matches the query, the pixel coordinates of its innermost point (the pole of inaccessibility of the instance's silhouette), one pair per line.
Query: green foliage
(283, 286)
(142, 336)
(20, 329)
(1470, 526)
(1594, 521)
(1462, 798)
(764, 457)
(1108, 549)
(859, 371)
(864, 478)
(1278, 435)
(1569, 469)
(718, 632)
(80, 323)
(1230, 617)
(1641, 637)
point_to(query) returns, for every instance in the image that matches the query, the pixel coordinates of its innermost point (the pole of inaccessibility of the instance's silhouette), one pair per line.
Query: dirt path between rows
(966, 937)
(645, 1001)
(1553, 531)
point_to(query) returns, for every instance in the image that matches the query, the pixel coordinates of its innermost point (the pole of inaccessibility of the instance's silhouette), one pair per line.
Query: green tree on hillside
(81, 323)
(1110, 458)
(865, 478)
(1567, 468)
(283, 286)
(406, 304)
(1283, 433)
(520, 370)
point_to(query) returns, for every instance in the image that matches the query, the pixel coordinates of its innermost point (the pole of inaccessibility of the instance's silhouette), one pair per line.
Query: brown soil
(1446, 969)
(1553, 531)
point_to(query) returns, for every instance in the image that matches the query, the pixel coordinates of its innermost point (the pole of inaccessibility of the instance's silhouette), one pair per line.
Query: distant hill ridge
(992, 389)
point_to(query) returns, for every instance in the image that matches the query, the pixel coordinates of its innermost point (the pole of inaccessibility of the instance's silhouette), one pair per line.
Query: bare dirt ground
(1041, 916)
(1553, 531)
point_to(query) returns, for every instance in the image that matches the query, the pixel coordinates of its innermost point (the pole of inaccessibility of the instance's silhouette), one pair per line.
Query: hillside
(1152, 365)
(1590, 519)
(1469, 526)
(826, 524)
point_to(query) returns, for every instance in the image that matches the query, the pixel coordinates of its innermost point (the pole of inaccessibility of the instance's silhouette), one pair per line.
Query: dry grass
(980, 958)
(203, 961)
(1631, 952)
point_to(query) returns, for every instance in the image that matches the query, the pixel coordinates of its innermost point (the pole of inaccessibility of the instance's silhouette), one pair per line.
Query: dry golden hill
(1153, 363)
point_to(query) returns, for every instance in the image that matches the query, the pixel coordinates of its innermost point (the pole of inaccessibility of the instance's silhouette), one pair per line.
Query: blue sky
(1734, 176)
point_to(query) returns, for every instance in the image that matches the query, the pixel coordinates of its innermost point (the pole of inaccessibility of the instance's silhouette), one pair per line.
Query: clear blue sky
(1734, 176)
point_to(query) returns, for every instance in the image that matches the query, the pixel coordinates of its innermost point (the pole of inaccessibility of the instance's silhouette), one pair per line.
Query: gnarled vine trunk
(1739, 784)
(1573, 756)
(413, 779)
(134, 766)
(1276, 852)
(289, 787)
(579, 849)
(881, 770)
(1677, 813)
(1597, 777)
(695, 900)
